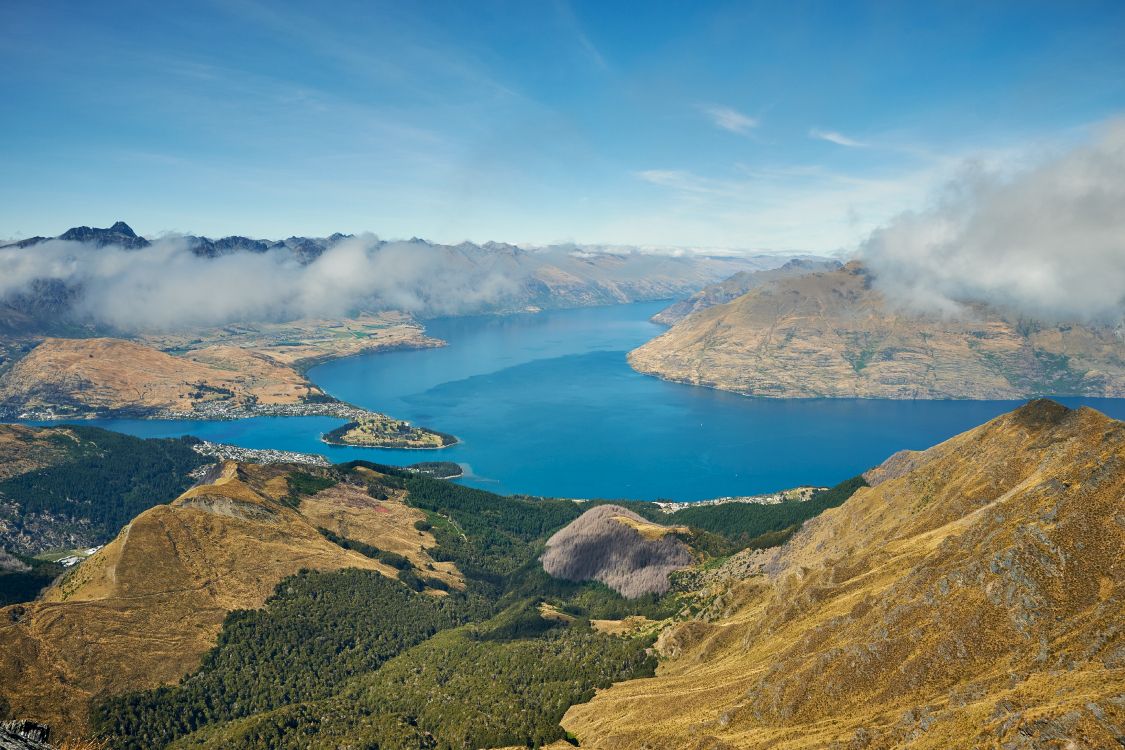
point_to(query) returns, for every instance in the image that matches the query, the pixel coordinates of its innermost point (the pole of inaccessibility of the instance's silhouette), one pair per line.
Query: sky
(796, 127)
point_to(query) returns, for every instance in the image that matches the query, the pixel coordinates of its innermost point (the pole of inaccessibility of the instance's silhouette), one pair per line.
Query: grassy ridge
(354, 659)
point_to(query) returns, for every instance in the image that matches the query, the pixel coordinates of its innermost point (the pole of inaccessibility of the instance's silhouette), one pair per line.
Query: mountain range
(420, 276)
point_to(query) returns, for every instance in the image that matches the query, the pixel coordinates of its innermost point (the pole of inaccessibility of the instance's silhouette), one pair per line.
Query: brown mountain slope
(83, 376)
(832, 335)
(975, 600)
(737, 285)
(619, 548)
(143, 610)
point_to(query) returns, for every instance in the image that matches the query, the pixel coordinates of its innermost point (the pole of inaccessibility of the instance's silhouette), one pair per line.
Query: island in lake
(381, 431)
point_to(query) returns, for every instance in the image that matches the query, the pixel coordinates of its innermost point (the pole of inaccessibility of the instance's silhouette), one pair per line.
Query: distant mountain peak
(118, 234)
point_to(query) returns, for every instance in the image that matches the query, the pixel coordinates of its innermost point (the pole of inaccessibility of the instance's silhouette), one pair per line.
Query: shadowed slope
(974, 599)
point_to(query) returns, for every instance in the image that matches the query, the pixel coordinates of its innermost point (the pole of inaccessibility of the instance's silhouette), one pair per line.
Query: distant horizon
(721, 124)
(173, 234)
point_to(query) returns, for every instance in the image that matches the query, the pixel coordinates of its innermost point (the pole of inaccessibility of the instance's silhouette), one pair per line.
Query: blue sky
(785, 126)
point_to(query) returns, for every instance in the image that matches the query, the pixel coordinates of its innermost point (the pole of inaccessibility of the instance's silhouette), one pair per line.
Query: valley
(522, 392)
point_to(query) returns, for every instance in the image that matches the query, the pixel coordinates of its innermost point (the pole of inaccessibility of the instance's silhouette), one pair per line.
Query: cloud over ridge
(1045, 243)
(183, 282)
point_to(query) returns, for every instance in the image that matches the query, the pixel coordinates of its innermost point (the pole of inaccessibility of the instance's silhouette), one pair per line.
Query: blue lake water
(546, 404)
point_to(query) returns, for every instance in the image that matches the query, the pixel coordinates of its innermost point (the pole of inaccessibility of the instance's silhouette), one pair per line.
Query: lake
(546, 404)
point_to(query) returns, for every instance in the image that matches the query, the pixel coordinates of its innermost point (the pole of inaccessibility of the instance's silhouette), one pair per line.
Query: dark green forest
(109, 479)
(754, 525)
(24, 585)
(318, 630)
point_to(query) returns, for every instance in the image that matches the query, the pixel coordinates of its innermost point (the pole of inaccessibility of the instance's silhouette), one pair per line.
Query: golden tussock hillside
(974, 597)
(104, 375)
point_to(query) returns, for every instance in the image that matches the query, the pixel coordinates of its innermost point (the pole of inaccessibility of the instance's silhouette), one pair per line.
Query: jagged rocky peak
(118, 234)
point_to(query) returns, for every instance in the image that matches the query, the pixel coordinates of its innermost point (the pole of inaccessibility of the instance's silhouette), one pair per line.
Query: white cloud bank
(1045, 243)
(167, 287)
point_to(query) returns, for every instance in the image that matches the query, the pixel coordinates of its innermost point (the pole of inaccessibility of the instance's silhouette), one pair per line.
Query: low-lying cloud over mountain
(112, 279)
(1045, 243)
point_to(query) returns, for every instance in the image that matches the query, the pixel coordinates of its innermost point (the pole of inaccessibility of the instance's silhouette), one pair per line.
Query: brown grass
(832, 334)
(82, 744)
(105, 374)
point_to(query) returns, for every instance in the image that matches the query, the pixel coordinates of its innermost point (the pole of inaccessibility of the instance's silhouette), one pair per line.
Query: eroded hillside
(831, 334)
(972, 598)
(631, 555)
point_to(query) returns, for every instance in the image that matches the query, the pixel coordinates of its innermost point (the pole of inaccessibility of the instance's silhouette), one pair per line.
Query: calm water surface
(546, 404)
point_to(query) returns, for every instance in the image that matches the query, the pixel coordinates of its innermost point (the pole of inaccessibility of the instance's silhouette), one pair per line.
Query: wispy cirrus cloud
(678, 179)
(794, 209)
(838, 138)
(731, 119)
(570, 21)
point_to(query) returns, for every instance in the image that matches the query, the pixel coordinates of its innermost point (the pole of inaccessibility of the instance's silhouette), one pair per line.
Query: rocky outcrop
(619, 548)
(24, 735)
(974, 600)
(832, 334)
(120, 234)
